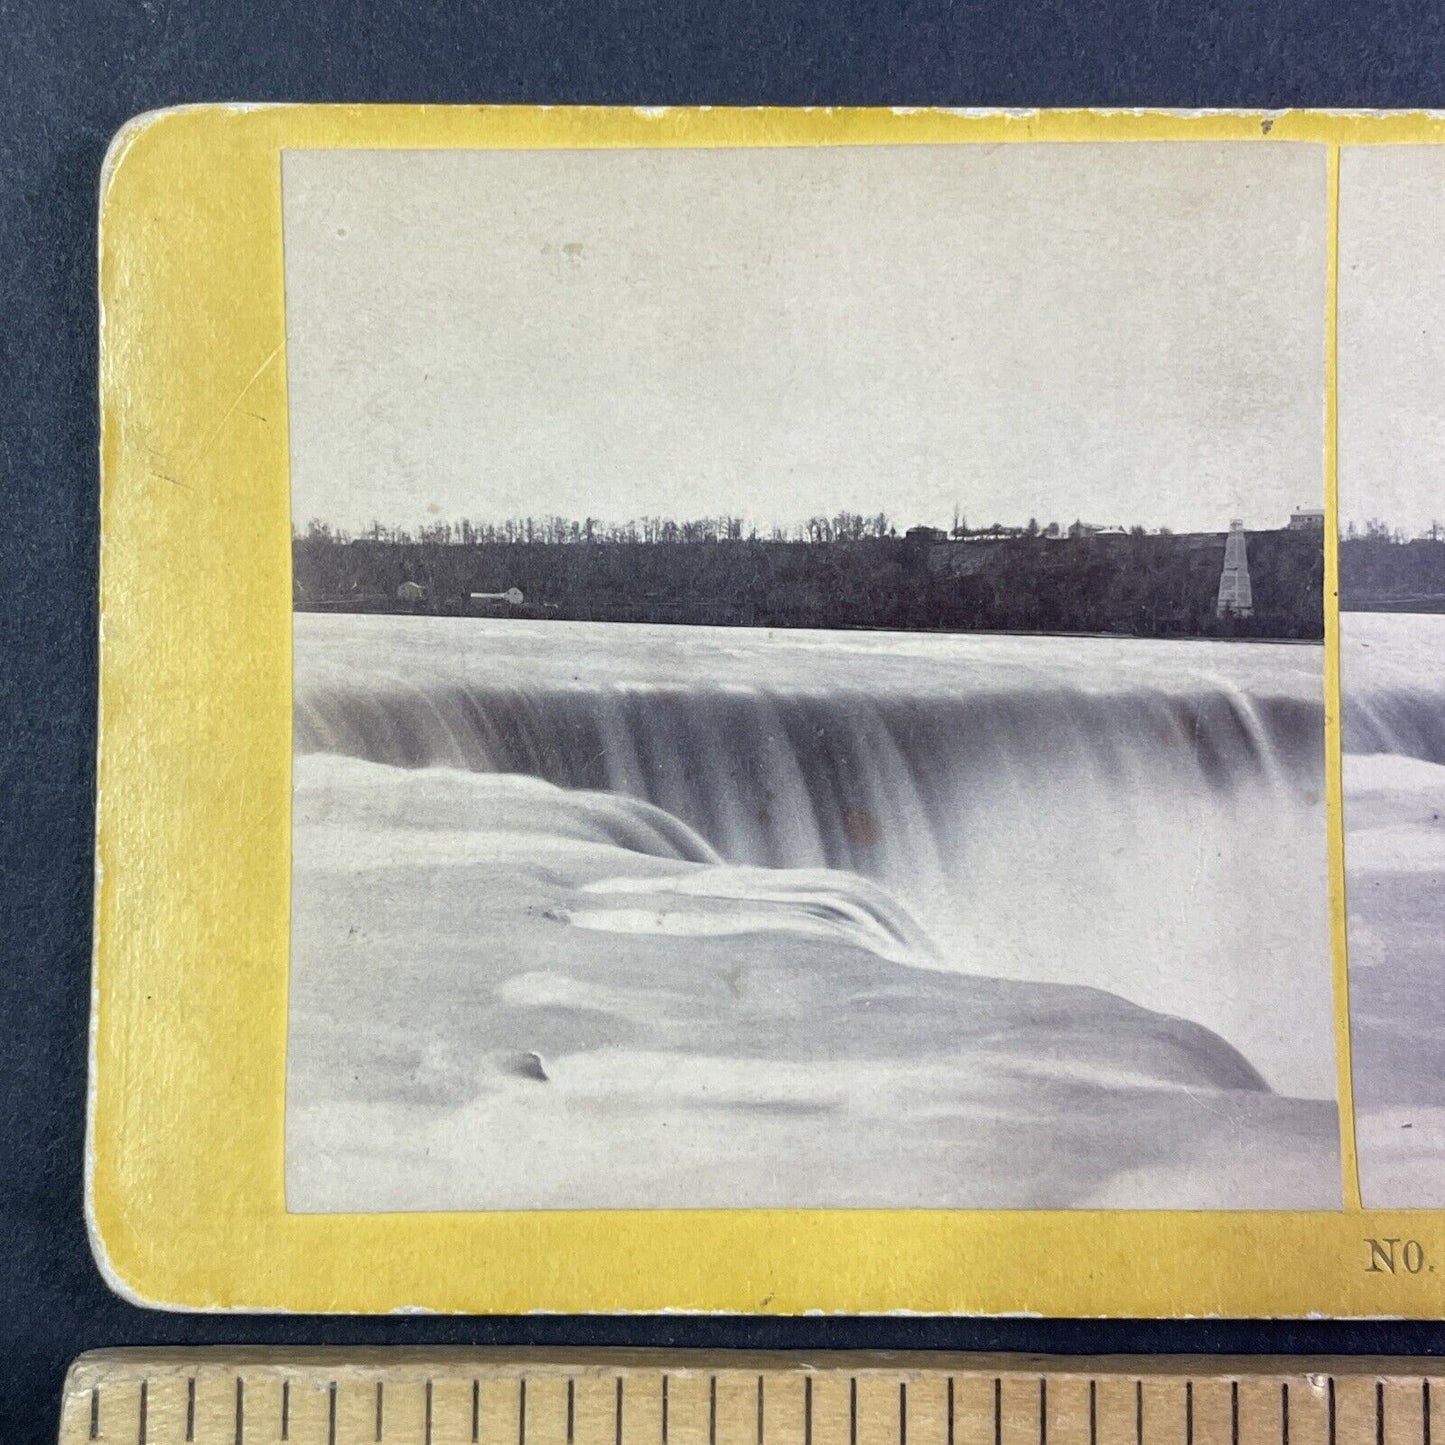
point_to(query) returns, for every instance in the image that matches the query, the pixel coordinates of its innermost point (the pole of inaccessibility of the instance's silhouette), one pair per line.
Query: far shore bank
(1124, 584)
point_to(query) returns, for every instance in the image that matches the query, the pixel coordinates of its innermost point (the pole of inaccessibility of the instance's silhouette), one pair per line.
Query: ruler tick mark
(664, 1412)
(808, 1410)
(902, 1413)
(140, 1433)
(712, 1411)
(1138, 1412)
(191, 1409)
(1189, 1412)
(285, 1410)
(760, 1412)
(571, 1410)
(853, 1410)
(949, 1440)
(1284, 1413)
(1330, 1412)
(617, 1428)
(428, 1412)
(95, 1412)
(522, 1411)
(1379, 1412)
(1425, 1412)
(331, 1414)
(1234, 1412)
(997, 1411)
(240, 1409)
(477, 1411)
(379, 1408)
(1043, 1411)
(1093, 1412)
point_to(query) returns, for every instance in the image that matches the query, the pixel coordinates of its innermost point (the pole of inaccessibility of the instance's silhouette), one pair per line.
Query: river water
(591, 915)
(1393, 682)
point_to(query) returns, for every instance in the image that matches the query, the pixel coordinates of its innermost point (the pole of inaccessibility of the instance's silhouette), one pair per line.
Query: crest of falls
(1407, 721)
(1393, 684)
(1143, 818)
(885, 787)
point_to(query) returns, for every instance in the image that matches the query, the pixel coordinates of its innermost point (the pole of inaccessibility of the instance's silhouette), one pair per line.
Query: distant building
(1236, 596)
(925, 534)
(412, 592)
(1307, 519)
(1079, 530)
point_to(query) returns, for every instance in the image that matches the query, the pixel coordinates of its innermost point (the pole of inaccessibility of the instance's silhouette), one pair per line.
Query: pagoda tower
(1236, 598)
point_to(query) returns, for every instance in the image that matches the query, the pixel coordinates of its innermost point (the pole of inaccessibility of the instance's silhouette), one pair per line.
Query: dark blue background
(72, 73)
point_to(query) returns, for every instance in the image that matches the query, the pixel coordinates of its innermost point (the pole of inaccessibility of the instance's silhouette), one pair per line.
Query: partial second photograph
(1392, 663)
(809, 685)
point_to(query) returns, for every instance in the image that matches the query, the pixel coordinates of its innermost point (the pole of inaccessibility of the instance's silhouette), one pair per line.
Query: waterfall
(1406, 721)
(786, 780)
(1145, 818)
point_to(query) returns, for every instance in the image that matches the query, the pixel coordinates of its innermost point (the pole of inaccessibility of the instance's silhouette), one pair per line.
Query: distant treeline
(1383, 571)
(557, 531)
(1037, 579)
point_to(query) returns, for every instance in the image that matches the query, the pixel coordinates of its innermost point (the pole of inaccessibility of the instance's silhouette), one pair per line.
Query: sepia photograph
(809, 679)
(1392, 661)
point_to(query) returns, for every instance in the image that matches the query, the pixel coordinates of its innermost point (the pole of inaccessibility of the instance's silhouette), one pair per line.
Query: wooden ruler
(460, 1397)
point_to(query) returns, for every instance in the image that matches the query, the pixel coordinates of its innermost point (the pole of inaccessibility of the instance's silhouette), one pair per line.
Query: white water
(591, 916)
(1393, 684)
(1144, 817)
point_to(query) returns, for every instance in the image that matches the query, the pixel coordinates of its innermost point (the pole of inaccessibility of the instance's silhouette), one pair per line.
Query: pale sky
(1123, 333)
(1392, 335)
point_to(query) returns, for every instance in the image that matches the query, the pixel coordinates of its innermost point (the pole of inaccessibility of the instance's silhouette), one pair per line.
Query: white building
(1236, 596)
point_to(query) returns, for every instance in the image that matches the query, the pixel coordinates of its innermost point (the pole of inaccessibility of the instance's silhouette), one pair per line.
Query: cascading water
(1393, 685)
(1144, 818)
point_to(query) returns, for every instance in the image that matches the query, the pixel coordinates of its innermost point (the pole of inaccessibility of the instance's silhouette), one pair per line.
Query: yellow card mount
(771, 711)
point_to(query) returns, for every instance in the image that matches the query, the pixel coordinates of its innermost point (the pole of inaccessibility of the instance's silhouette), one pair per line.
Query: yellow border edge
(1334, 782)
(186, 1105)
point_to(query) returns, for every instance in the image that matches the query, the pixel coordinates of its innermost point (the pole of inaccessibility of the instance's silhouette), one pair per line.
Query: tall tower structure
(1236, 598)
